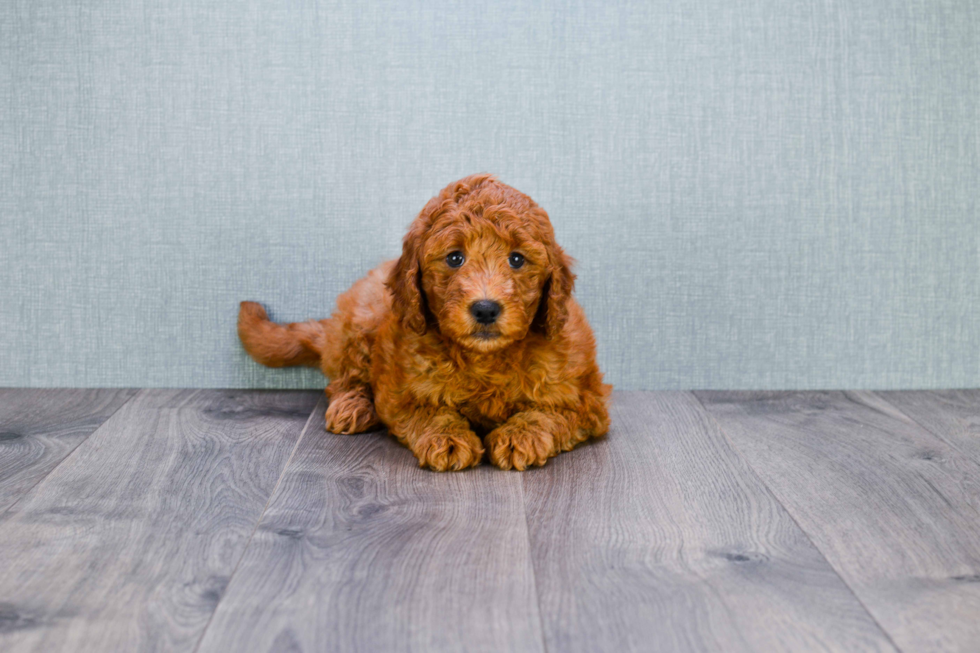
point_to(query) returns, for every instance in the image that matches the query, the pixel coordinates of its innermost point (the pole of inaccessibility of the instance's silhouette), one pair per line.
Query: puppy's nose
(485, 311)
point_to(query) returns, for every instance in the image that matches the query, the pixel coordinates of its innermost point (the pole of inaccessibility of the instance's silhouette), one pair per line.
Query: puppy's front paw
(442, 452)
(519, 445)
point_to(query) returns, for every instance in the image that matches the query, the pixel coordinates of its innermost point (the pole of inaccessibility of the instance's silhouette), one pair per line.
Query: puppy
(473, 330)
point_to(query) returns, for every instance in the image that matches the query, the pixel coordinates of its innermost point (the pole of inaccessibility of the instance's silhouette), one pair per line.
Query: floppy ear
(405, 282)
(557, 290)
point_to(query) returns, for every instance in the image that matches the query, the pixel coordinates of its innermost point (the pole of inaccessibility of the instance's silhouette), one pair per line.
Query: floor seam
(71, 453)
(258, 522)
(530, 558)
(789, 513)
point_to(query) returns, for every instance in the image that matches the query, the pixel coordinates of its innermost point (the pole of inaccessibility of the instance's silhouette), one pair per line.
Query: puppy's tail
(279, 345)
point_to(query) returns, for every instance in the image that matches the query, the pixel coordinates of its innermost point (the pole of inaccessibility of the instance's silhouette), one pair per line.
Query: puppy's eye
(455, 259)
(516, 260)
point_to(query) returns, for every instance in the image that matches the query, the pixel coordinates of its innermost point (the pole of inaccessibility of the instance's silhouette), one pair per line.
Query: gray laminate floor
(216, 520)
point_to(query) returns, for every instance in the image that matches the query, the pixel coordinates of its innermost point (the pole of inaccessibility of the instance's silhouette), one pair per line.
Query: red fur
(402, 348)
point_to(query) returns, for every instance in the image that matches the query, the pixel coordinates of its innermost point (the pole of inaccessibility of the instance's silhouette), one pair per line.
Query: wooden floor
(208, 520)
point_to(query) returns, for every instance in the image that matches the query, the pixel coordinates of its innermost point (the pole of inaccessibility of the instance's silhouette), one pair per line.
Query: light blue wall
(760, 194)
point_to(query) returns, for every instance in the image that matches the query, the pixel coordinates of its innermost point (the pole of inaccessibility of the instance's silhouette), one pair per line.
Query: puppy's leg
(532, 436)
(351, 408)
(440, 438)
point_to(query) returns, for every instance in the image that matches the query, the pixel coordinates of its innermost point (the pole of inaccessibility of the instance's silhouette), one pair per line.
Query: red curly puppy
(473, 330)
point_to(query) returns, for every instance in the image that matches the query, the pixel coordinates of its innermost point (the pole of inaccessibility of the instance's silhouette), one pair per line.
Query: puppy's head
(480, 264)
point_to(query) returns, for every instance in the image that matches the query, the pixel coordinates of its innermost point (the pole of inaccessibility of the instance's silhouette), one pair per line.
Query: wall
(760, 194)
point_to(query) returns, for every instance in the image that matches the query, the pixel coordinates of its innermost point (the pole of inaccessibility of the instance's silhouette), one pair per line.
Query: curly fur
(402, 349)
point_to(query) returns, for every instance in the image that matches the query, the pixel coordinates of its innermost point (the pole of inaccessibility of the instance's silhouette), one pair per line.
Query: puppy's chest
(487, 402)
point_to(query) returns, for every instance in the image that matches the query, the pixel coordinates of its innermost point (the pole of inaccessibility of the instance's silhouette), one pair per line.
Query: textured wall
(760, 194)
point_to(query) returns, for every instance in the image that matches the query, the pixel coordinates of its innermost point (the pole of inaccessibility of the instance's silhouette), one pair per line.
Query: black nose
(485, 311)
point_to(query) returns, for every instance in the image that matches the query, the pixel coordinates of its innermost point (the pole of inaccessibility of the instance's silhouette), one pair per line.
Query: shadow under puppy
(473, 330)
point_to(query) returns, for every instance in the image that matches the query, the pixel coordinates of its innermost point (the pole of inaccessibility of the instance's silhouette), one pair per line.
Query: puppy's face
(481, 262)
(483, 276)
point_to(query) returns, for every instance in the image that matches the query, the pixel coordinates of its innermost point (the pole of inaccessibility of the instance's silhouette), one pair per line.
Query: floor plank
(661, 538)
(360, 550)
(129, 543)
(893, 507)
(951, 415)
(40, 427)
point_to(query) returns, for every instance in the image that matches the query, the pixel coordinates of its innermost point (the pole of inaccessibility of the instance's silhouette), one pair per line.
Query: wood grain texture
(894, 508)
(360, 550)
(129, 544)
(951, 415)
(661, 538)
(39, 428)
